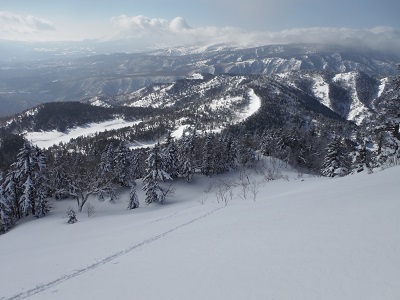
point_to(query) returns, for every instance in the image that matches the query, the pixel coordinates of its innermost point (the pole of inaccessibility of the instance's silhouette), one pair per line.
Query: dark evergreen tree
(122, 169)
(107, 161)
(208, 159)
(138, 164)
(58, 179)
(42, 203)
(227, 154)
(246, 151)
(169, 153)
(6, 212)
(187, 155)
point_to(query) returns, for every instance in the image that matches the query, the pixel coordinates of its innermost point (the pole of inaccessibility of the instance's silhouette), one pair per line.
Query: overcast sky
(375, 23)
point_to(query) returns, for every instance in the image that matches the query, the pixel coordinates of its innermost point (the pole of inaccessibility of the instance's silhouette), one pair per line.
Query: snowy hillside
(298, 237)
(352, 95)
(46, 139)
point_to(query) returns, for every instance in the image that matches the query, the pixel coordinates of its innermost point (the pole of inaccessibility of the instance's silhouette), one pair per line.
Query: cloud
(141, 26)
(149, 32)
(12, 23)
(376, 38)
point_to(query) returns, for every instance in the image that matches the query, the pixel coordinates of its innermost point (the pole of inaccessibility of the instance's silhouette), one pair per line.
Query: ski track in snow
(45, 286)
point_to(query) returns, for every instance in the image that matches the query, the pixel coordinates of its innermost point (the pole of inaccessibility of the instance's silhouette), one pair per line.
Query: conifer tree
(133, 198)
(11, 194)
(122, 167)
(169, 153)
(28, 172)
(155, 173)
(42, 203)
(6, 213)
(187, 155)
(207, 167)
(138, 165)
(335, 161)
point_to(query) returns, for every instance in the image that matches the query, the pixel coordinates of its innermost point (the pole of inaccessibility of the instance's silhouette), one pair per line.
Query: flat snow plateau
(46, 139)
(302, 238)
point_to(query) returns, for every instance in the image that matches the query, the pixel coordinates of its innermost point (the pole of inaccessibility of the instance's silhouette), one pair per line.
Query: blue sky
(184, 21)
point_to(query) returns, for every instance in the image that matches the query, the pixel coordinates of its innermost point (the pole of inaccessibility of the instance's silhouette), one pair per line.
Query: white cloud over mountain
(141, 32)
(13, 23)
(155, 32)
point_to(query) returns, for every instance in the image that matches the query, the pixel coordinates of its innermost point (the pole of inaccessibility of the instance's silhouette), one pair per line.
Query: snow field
(46, 139)
(303, 238)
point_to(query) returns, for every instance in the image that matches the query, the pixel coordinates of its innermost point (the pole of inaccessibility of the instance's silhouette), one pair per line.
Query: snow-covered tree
(335, 162)
(107, 161)
(11, 194)
(169, 153)
(246, 151)
(28, 197)
(58, 178)
(85, 177)
(186, 156)
(208, 162)
(6, 212)
(42, 204)
(138, 165)
(122, 168)
(29, 169)
(72, 217)
(133, 198)
(154, 173)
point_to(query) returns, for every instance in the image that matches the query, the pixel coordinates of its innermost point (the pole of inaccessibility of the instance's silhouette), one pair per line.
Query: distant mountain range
(354, 77)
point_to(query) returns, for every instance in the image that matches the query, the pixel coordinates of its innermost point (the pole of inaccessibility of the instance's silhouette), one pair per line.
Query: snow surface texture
(302, 238)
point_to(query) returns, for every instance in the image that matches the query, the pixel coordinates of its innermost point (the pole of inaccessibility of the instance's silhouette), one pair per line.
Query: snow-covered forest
(313, 194)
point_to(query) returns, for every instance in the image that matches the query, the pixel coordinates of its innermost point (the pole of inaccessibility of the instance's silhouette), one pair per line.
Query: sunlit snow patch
(196, 76)
(46, 139)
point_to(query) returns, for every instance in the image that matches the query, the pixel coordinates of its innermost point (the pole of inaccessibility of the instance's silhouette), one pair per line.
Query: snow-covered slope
(350, 94)
(357, 111)
(302, 238)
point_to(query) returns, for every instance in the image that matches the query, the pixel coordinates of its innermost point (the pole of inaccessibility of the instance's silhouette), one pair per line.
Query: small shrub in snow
(72, 217)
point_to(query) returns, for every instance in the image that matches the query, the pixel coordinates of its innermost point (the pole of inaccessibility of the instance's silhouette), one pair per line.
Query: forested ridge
(290, 126)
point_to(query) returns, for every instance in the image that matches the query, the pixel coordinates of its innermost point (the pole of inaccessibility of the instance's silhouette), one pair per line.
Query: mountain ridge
(76, 79)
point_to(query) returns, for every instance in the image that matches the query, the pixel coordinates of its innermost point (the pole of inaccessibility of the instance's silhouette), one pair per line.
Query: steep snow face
(382, 86)
(321, 90)
(300, 238)
(357, 110)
